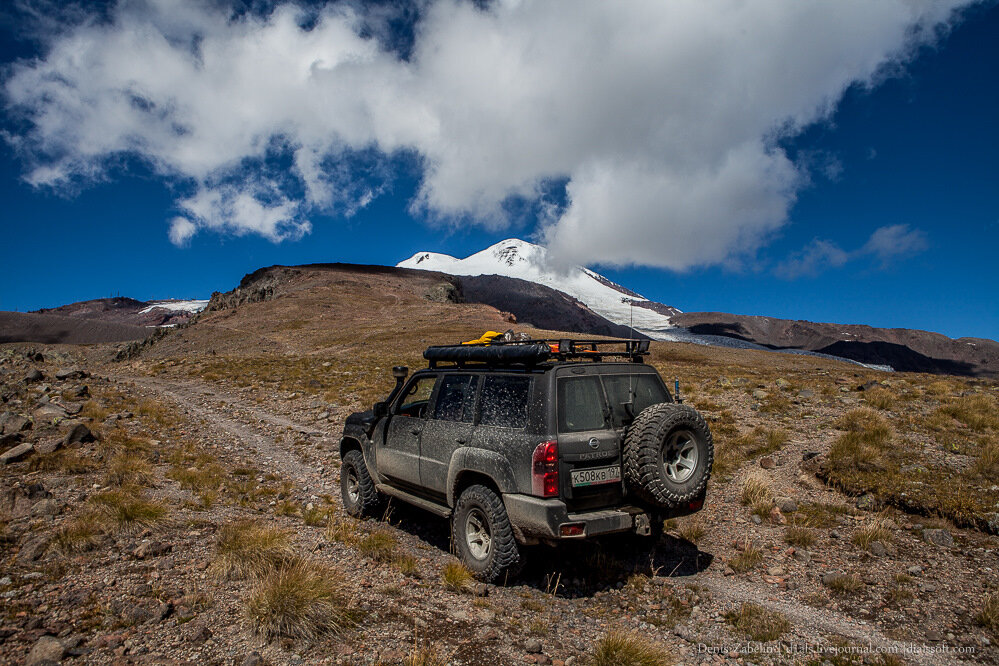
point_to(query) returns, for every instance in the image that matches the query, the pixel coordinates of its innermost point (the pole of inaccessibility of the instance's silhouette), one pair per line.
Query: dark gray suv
(529, 442)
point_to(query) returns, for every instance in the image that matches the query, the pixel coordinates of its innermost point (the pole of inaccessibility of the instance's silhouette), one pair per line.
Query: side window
(580, 404)
(416, 395)
(504, 401)
(456, 398)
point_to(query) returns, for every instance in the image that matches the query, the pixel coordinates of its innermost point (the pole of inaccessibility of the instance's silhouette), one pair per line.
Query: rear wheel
(483, 537)
(360, 498)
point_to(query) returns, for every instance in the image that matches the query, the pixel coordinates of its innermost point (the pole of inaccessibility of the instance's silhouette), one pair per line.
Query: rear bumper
(534, 518)
(538, 518)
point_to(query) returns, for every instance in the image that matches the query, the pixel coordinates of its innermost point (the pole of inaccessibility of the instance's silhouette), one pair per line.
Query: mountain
(898, 349)
(525, 261)
(123, 310)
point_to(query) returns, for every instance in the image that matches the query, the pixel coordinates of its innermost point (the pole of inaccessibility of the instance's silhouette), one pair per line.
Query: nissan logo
(594, 443)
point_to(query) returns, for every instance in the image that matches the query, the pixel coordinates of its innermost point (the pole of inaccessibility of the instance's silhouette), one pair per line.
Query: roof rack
(534, 352)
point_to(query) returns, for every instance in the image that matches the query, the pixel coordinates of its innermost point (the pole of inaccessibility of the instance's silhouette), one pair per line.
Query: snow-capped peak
(519, 259)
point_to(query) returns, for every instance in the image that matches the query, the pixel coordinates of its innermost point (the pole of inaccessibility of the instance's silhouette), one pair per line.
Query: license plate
(596, 476)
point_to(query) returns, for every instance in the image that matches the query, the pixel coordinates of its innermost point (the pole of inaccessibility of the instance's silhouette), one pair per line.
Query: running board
(415, 500)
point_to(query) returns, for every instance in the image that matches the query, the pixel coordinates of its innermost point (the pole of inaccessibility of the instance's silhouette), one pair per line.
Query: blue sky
(869, 199)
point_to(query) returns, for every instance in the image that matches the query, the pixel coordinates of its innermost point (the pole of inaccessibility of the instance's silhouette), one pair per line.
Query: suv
(529, 442)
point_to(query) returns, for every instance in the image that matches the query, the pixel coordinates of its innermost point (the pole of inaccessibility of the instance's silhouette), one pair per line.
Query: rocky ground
(120, 482)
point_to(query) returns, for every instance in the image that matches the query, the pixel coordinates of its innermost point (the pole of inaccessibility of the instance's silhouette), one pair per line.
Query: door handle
(415, 431)
(459, 440)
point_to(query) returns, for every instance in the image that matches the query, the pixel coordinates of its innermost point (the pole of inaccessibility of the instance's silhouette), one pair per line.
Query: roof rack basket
(533, 352)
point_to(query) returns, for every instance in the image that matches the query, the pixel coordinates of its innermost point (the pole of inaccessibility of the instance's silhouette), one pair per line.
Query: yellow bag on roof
(486, 338)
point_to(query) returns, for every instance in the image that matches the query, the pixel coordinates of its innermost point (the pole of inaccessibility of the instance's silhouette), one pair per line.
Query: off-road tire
(366, 501)
(504, 559)
(644, 471)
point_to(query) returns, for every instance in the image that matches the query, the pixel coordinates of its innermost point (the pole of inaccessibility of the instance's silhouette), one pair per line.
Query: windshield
(630, 394)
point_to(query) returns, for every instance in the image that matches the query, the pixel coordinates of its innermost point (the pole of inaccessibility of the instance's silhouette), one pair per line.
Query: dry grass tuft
(299, 600)
(63, 461)
(875, 528)
(978, 412)
(844, 584)
(619, 648)
(379, 546)
(427, 654)
(988, 617)
(127, 511)
(758, 623)
(798, 534)
(880, 398)
(456, 576)
(691, 528)
(749, 557)
(128, 469)
(77, 534)
(249, 548)
(757, 494)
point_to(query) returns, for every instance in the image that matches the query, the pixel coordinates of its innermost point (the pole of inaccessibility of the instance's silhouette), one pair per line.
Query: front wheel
(360, 498)
(483, 536)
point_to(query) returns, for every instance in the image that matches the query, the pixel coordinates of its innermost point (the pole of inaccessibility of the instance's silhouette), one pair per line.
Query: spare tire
(668, 454)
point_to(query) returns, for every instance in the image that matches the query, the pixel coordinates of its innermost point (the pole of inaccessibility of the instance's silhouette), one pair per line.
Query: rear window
(580, 404)
(504, 401)
(456, 398)
(630, 394)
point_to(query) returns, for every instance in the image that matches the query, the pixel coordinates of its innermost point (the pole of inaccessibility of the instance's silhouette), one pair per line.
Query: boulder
(82, 392)
(46, 650)
(46, 507)
(17, 424)
(78, 434)
(16, 454)
(867, 502)
(70, 373)
(151, 549)
(938, 537)
(787, 505)
(48, 446)
(7, 441)
(32, 550)
(72, 408)
(766, 462)
(34, 375)
(49, 414)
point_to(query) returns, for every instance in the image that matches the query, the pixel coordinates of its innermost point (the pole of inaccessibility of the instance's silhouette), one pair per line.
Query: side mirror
(380, 409)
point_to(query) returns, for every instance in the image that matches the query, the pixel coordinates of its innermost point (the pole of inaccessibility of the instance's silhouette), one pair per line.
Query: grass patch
(880, 398)
(798, 534)
(988, 617)
(426, 654)
(875, 528)
(758, 623)
(379, 546)
(125, 510)
(341, 528)
(843, 584)
(619, 648)
(407, 565)
(300, 600)
(757, 494)
(691, 528)
(749, 557)
(128, 469)
(456, 576)
(63, 461)
(978, 412)
(77, 534)
(249, 548)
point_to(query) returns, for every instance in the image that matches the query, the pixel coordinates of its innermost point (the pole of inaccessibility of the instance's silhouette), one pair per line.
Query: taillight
(544, 470)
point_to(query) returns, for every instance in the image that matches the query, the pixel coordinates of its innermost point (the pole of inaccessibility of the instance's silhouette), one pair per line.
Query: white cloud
(897, 240)
(815, 258)
(661, 116)
(181, 231)
(886, 244)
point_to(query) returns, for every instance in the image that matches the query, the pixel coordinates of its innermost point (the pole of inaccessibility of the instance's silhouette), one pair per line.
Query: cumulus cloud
(662, 118)
(885, 244)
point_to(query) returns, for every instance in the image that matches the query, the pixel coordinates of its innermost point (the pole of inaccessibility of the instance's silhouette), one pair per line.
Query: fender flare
(480, 461)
